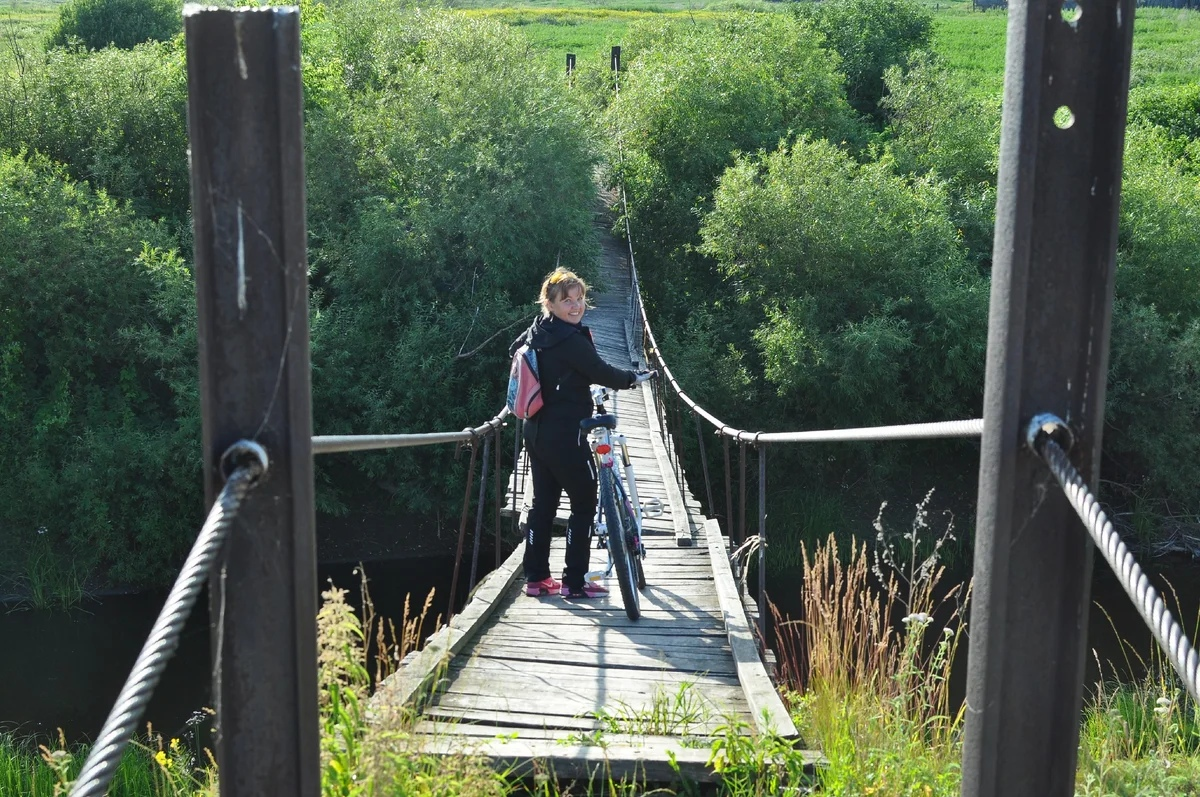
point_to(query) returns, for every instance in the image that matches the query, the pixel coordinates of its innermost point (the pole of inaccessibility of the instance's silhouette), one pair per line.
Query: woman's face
(568, 307)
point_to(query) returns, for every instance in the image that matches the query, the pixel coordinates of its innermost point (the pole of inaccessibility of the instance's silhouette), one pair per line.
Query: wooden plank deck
(576, 685)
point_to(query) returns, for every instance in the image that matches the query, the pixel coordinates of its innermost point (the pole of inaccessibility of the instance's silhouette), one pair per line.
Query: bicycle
(618, 508)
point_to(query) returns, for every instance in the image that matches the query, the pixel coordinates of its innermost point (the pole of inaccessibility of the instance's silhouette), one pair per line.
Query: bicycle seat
(606, 420)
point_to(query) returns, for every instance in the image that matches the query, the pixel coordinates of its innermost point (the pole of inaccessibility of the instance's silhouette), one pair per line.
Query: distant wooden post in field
(245, 129)
(570, 64)
(616, 58)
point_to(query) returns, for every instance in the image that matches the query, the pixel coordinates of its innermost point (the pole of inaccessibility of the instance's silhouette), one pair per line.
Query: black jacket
(568, 365)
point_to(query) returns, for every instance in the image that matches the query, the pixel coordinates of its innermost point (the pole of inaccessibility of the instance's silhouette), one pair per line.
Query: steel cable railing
(1044, 435)
(331, 444)
(248, 461)
(671, 433)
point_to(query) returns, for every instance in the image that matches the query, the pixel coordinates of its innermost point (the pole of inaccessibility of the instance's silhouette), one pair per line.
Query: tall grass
(868, 665)
(151, 766)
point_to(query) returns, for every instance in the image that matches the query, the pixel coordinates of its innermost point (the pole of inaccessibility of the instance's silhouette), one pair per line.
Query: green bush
(473, 175)
(97, 24)
(1158, 246)
(870, 36)
(936, 125)
(99, 429)
(870, 313)
(116, 118)
(693, 97)
(1152, 410)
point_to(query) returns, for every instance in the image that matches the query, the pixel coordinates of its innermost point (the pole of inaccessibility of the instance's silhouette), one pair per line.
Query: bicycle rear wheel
(618, 548)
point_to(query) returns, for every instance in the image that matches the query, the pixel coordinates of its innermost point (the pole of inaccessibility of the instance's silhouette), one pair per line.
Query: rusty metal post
(728, 491)
(462, 529)
(479, 507)
(1061, 147)
(498, 488)
(245, 130)
(742, 491)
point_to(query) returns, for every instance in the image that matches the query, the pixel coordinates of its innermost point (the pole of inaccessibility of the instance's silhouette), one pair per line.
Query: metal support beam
(247, 170)
(1066, 87)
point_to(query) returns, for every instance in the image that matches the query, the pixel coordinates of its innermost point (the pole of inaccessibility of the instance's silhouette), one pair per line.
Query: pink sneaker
(590, 589)
(547, 586)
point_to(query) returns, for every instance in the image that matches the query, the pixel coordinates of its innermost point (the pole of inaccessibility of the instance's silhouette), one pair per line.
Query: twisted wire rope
(160, 645)
(1150, 605)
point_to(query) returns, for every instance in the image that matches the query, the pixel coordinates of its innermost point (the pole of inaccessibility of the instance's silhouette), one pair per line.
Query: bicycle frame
(602, 444)
(618, 507)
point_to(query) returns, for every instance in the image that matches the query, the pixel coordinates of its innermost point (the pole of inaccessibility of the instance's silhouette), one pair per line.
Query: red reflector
(603, 448)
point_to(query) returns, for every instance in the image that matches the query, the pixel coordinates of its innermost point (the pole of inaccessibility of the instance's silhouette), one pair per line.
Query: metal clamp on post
(1048, 426)
(245, 454)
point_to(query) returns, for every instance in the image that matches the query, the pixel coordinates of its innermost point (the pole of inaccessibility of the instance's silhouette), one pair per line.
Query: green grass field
(23, 26)
(1166, 41)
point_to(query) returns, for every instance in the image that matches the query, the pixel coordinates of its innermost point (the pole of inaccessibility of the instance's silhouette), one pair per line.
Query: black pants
(559, 459)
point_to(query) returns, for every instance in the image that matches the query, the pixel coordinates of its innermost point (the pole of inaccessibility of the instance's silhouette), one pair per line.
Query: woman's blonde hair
(559, 283)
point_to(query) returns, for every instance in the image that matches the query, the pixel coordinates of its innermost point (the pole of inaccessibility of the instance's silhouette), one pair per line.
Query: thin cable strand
(160, 645)
(1150, 605)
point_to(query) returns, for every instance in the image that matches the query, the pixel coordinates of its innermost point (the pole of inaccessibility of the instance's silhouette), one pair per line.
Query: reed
(867, 668)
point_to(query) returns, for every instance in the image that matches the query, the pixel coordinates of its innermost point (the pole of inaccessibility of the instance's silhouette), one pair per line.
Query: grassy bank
(873, 696)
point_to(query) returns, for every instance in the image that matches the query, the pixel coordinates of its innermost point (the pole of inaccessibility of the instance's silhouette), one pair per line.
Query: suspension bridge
(520, 679)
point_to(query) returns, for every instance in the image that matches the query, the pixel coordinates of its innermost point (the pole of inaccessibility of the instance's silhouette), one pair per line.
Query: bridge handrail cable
(1170, 635)
(249, 462)
(332, 444)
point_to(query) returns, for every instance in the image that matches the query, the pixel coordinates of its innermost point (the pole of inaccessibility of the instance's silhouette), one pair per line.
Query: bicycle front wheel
(618, 550)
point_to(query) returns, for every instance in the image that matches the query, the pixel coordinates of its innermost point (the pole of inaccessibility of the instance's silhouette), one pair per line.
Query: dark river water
(1117, 636)
(65, 669)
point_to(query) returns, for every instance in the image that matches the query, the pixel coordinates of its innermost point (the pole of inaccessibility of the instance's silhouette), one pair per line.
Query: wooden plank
(571, 704)
(406, 683)
(652, 761)
(512, 719)
(557, 724)
(770, 715)
(637, 694)
(649, 643)
(550, 669)
(700, 662)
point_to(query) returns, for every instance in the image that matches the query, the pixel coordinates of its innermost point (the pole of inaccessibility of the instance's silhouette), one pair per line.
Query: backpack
(524, 388)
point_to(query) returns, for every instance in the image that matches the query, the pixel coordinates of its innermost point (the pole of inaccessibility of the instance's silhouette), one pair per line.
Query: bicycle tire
(618, 548)
(631, 541)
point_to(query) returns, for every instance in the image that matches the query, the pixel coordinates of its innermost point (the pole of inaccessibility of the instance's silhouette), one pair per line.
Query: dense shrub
(870, 312)
(1152, 411)
(474, 170)
(870, 36)
(97, 24)
(937, 126)
(694, 97)
(116, 118)
(1158, 250)
(99, 432)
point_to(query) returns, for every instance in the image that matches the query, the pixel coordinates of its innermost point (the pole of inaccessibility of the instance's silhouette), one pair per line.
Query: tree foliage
(693, 98)
(937, 127)
(870, 311)
(474, 170)
(99, 432)
(870, 36)
(115, 118)
(97, 24)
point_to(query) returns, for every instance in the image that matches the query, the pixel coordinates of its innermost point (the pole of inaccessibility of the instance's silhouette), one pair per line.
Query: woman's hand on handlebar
(643, 376)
